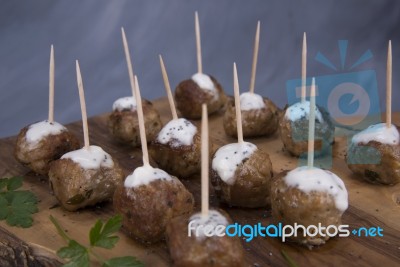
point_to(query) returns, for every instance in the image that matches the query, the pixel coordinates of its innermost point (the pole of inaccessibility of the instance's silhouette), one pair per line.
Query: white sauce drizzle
(205, 83)
(144, 175)
(92, 158)
(228, 158)
(378, 132)
(40, 130)
(179, 132)
(212, 220)
(124, 103)
(314, 179)
(302, 109)
(249, 101)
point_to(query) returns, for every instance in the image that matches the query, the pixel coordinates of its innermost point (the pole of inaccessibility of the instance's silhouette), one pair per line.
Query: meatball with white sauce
(259, 116)
(148, 200)
(41, 143)
(374, 154)
(123, 123)
(241, 175)
(293, 129)
(198, 249)
(176, 149)
(84, 177)
(309, 197)
(200, 89)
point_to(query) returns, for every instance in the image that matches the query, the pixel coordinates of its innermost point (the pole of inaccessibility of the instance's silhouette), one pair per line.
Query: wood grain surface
(370, 205)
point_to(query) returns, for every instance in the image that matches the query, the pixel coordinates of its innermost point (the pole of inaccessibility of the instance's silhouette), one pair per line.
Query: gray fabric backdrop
(90, 31)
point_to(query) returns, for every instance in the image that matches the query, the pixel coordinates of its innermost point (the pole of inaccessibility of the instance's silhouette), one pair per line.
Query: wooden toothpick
(141, 124)
(51, 85)
(237, 105)
(389, 87)
(83, 105)
(128, 61)
(198, 43)
(168, 89)
(311, 126)
(304, 68)
(255, 57)
(204, 162)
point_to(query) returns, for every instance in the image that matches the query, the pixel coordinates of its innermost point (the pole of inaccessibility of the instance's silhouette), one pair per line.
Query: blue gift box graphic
(351, 97)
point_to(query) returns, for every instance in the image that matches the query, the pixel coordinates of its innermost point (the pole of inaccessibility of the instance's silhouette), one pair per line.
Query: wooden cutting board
(370, 205)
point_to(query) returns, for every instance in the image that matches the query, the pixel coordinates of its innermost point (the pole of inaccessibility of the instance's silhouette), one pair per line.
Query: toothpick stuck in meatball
(200, 89)
(240, 172)
(150, 197)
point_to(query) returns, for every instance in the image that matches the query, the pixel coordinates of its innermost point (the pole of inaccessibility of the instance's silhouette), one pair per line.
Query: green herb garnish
(288, 259)
(16, 206)
(100, 235)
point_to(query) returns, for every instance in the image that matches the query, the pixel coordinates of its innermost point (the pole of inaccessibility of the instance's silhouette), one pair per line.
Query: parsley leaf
(288, 259)
(78, 254)
(16, 207)
(3, 183)
(3, 208)
(14, 183)
(101, 236)
(123, 262)
(59, 229)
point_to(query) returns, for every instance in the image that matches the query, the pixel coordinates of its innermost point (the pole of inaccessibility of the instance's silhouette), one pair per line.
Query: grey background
(90, 31)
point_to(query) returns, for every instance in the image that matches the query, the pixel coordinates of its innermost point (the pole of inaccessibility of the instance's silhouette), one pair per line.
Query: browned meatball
(76, 187)
(148, 208)
(375, 162)
(124, 124)
(176, 149)
(182, 161)
(292, 205)
(189, 97)
(189, 251)
(294, 134)
(48, 149)
(251, 184)
(256, 122)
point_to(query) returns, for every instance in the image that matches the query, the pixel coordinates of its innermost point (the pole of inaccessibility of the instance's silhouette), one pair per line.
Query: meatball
(84, 178)
(203, 251)
(375, 155)
(177, 149)
(148, 200)
(259, 116)
(241, 175)
(308, 196)
(191, 94)
(41, 143)
(124, 125)
(293, 127)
